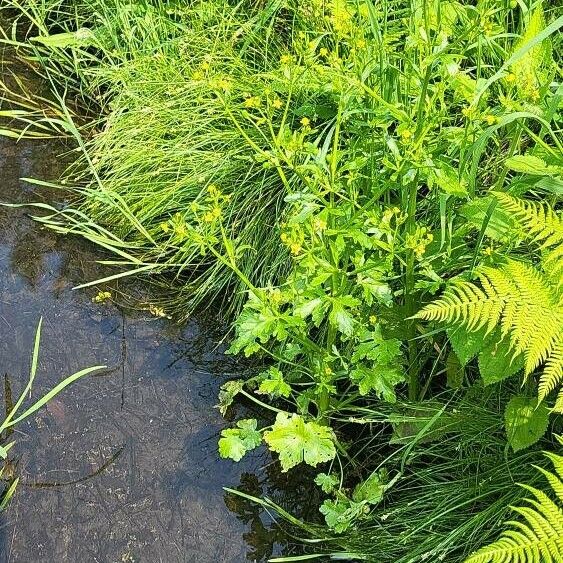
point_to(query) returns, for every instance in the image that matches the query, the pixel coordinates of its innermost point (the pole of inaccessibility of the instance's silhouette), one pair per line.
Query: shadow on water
(121, 467)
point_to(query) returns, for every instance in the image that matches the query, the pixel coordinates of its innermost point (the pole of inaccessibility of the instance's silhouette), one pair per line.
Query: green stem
(413, 383)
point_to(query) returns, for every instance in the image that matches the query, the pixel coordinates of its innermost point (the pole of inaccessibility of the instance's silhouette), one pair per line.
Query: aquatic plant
(14, 416)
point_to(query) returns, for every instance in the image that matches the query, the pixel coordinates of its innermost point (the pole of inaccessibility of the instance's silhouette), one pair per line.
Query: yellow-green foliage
(524, 300)
(532, 69)
(540, 536)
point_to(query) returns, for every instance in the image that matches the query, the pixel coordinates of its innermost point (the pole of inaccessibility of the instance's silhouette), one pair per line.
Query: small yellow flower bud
(295, 248)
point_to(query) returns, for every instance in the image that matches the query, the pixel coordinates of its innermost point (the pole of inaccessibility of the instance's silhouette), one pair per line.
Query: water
(121, 467)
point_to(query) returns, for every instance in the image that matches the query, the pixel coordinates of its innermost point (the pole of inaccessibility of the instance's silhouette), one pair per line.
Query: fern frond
(524, 301)
(527, 308)
(553, 372)
(538, 220)
(532, 316)
(539, 536)
(468, 304)
(552, 265)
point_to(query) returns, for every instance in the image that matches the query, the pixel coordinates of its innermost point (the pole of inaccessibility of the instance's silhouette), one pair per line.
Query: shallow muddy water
(122, 466)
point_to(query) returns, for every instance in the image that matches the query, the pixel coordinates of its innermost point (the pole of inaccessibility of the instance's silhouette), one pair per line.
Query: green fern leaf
(553, 372)
(541, 223)
(524, 301)
(538, 537)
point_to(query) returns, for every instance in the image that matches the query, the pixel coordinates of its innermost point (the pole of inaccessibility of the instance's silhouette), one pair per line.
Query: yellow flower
(373, 319)
(197, 75)
(295, 248)
(277, 103)
(205, 65)
(252, 102)
(535, 95)
(468, 112)
(216, 212)
(319, 225)
(305, 121)
(286, 59)
(328, 371)
(101, 297)
(490, 119)
(284, 238)
(323, 52)
(276, 295)
(213, 191)
(406, 134)
(361, 43)
(420, 249)
(165, 227)
(157, 311)
(181, 231)
(221, 83)
(511, 78)
(488, 251)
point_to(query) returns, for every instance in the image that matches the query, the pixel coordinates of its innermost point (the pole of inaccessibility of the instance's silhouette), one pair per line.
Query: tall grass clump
(373, 190)
(170, 86)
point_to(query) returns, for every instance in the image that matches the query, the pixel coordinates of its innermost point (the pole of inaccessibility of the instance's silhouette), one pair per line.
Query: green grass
(155, 75)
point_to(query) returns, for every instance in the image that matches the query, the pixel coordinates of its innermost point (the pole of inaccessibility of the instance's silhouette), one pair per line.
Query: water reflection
(136, 445)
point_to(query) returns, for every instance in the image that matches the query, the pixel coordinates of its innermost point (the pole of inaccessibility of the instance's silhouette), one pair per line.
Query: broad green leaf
(257, 324)
(235, 442)
(296, 441)
(374, 347)
(275, 385)
(340, 316)
(227, 394)
(551, 185)
(82, 37)
(500, 223)
(446, 177)
(252, 326)
(339, 514)
(326, 482)
(307, 308)
(496, 360)
(372, 489)
(379, 379)
(530, 164)
(466, 344)
(525, 421)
